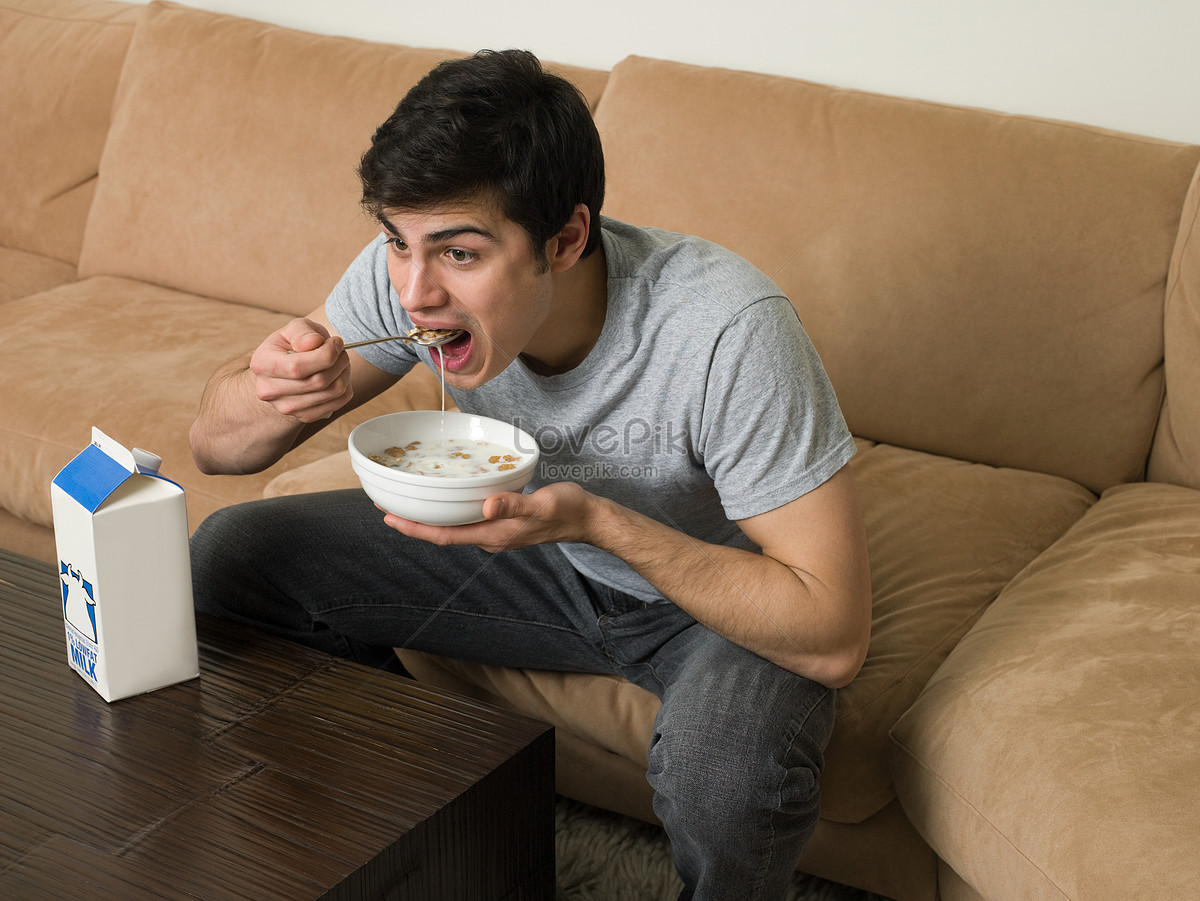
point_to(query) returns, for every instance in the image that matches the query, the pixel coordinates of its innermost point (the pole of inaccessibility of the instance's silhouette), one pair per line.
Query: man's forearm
(235, 432)
(750, 598)
(803, 603)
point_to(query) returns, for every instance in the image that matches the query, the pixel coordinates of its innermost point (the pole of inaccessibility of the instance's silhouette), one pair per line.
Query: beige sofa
(1009, 309)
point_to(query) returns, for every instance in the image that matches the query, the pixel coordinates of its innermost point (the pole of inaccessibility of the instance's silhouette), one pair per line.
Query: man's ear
(564, 249)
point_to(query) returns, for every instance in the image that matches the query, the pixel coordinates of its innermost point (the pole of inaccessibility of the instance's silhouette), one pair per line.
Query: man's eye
(460, 256)
(397, 244)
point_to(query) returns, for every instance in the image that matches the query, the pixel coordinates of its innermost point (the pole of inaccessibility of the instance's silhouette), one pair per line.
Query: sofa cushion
(230, 170)
(332, 473)
(983, 286)
(59, 64)
(23, 273)
(1053, 755)
(132, 359)
(1175, 456)
(944, 538)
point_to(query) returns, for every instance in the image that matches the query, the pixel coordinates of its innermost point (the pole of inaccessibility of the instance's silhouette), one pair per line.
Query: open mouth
(454, 353)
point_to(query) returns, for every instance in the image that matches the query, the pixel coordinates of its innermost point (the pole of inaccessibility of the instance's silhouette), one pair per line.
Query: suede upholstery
(1093, 649)
(59, 64)
(1175, 456)
(23, 273)
(1009, 309)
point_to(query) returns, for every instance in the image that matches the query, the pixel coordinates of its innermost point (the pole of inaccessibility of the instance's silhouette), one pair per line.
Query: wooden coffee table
(280, 773)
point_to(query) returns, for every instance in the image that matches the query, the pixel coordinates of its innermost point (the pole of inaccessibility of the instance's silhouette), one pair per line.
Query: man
(708, 544)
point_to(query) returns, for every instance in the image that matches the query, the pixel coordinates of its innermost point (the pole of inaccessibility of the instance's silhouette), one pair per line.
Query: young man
(691, 526)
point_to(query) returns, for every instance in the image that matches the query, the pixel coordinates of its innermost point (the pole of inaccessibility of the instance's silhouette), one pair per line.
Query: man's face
(467, 266)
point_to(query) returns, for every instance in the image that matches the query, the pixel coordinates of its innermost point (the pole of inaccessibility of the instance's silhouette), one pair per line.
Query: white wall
(1125, 64)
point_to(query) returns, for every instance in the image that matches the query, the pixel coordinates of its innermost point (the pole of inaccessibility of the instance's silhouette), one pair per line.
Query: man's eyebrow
(454, 231)
(443, 234)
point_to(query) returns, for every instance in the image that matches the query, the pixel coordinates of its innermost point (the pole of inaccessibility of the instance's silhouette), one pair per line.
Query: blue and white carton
(125, 571)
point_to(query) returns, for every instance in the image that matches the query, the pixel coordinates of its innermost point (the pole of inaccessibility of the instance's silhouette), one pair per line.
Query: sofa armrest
(1053, 754)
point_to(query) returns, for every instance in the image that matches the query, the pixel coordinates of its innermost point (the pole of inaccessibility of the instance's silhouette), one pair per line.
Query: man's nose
(420, 291)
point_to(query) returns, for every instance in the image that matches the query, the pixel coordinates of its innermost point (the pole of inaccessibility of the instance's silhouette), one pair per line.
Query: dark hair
(494, 126)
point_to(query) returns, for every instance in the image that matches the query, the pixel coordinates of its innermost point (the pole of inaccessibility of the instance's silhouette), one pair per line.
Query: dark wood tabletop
(280, 773)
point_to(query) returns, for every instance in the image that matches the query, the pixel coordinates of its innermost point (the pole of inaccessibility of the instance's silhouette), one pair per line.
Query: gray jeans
(737, 747)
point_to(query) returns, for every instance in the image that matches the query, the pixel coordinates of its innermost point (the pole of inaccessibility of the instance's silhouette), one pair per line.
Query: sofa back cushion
(983, 286)
(59, 65)
(1175, 456)
(230, 170)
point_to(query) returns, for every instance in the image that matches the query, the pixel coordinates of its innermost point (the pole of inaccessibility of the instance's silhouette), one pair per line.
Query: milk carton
(124, 569)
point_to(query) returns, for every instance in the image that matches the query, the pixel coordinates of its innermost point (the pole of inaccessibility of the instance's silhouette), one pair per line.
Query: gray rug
(603, 856)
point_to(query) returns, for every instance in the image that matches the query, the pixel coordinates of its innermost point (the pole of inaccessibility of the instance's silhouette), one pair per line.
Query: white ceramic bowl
(437, 500)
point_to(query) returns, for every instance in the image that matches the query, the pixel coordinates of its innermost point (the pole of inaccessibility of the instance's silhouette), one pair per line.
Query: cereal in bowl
(449, 457)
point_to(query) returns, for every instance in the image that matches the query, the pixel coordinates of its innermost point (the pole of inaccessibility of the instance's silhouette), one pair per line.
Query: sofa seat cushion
(23, 273)
(24, 537)
(132, 359)
(944, 537)
(59, 65)
(1053, 755)
(248, 190)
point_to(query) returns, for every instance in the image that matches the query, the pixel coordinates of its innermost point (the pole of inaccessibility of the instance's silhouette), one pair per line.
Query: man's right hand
(259, 406)
(302, 372)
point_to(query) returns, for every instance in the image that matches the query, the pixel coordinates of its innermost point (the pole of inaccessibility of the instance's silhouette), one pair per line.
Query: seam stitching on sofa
(908, 752)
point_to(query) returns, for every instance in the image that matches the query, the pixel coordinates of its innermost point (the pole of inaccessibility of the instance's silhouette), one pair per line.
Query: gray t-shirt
(703, 401)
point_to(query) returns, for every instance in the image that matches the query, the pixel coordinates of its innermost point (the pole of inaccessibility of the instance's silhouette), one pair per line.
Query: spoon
(427, 337)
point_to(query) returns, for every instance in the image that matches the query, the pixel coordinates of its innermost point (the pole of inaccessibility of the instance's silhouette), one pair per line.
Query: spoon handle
(354, 344)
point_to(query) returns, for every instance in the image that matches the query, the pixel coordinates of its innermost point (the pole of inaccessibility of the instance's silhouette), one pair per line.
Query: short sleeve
(772, 429)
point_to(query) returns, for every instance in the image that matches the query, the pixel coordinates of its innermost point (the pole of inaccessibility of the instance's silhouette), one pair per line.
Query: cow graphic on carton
(79, 606)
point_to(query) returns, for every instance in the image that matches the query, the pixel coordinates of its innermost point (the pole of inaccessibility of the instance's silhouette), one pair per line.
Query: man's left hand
(556, 512)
